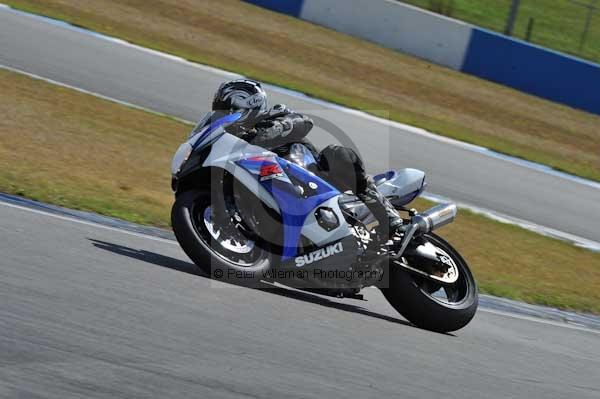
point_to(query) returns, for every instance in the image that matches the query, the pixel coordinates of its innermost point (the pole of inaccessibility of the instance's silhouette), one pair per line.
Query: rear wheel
(223, 252)
(430, 304)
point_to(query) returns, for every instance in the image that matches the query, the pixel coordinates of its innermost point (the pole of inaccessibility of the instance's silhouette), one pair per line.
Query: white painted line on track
(74, 219)
(103, 97)
(571, 326)
(525, 224)
(407, 128)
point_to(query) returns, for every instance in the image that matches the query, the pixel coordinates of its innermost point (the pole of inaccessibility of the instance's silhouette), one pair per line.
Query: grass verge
(320, 62)
(72, 149)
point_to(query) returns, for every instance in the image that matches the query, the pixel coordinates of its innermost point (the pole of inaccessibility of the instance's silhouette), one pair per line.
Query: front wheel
(222, 252)
(431, 305)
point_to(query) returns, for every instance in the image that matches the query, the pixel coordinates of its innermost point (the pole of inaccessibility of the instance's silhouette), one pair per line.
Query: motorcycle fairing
(298, 193)
(401, 186)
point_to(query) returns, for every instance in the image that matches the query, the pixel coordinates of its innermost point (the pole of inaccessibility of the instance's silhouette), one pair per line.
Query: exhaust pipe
(426, 222)
(435, 217)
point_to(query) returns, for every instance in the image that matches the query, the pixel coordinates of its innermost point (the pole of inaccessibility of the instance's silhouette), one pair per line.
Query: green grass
(72, 149)
(559, 24)
(292, 53)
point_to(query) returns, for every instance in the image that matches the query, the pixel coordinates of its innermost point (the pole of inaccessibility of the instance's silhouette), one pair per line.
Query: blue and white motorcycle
(245, 215)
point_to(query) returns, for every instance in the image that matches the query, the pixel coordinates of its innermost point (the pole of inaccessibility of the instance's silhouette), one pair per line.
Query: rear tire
(407, 295)
(206, 252)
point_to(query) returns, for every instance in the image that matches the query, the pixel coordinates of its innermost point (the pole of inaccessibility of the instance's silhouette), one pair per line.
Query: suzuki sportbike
(247, 216)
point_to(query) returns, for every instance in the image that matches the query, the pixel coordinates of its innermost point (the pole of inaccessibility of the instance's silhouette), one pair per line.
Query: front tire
(213, 257)
(413, 296)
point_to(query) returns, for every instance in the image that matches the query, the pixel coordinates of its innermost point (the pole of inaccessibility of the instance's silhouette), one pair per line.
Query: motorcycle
(245, 215)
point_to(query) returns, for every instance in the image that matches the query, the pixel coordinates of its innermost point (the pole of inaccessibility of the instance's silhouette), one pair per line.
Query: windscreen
(204, 121)
(214, 119)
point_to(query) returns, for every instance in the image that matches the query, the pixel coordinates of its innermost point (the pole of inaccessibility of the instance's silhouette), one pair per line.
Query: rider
(277, 128)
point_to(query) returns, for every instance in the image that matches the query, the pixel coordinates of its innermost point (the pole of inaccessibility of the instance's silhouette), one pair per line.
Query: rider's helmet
(244, 96)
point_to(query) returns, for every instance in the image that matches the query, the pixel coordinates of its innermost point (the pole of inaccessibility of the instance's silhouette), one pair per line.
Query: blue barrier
(534, 70)
(290, 7)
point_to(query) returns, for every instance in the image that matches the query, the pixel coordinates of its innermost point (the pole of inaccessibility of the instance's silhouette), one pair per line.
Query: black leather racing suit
(341, 166)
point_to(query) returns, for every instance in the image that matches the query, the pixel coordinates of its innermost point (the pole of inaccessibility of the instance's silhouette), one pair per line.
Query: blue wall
(534, 70)
(290, 7)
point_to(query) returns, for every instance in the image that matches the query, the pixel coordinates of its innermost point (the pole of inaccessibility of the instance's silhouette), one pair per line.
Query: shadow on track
(190, 268)
(149, 257)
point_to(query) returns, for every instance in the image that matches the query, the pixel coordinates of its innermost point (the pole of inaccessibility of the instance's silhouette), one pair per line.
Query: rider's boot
(389, 219)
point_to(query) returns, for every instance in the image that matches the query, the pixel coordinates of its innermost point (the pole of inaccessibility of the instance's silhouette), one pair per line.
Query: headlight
(181, 156)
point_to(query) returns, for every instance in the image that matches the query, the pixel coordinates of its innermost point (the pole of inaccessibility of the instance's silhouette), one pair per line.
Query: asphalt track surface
(173, 87)
(96, 312)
